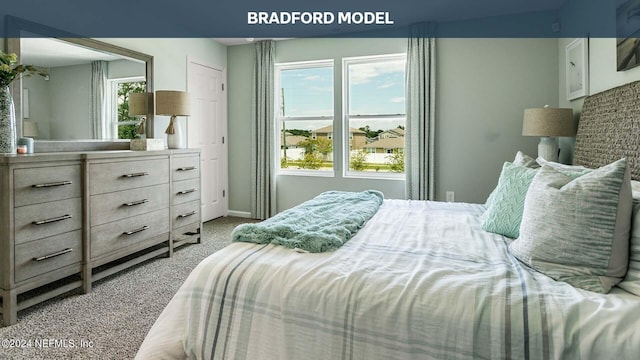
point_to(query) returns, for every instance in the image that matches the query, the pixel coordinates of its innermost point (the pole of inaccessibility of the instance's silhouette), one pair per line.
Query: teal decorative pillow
(504, 213)
(522, 160)
(576, 230)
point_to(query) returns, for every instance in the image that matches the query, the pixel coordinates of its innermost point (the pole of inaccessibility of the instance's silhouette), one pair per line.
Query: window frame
(279, 118)
(112, 105)
(346, 117)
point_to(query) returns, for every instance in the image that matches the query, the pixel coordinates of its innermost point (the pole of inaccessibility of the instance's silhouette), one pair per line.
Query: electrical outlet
(451, 196)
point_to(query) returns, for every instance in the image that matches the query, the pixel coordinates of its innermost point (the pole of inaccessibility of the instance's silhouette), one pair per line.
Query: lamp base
(548, 148)
(175, 140)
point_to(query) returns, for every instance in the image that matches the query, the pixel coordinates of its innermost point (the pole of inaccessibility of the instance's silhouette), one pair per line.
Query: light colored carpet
(112, 320)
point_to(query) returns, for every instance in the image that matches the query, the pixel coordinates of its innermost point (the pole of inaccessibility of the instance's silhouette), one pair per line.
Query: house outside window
(304, 117)
(374, 108)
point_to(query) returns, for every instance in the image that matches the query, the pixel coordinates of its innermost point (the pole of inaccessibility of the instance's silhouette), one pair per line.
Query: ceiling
(48, 52)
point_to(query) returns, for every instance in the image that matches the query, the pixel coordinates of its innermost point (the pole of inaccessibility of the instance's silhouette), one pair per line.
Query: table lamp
(548, 123)
(173, 103)
(141, 105)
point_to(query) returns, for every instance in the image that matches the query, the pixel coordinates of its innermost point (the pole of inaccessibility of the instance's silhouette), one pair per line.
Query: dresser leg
(86, 279)
(9, 307)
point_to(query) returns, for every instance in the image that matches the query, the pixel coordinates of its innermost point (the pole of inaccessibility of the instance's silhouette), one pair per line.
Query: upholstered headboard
(609, 129)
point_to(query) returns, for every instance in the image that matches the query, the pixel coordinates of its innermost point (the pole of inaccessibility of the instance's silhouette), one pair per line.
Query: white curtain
(263, 184)
(420, 127)
(98, 99)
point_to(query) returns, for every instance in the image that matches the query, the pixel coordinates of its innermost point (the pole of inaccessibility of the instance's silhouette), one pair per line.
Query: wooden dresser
(69, 219)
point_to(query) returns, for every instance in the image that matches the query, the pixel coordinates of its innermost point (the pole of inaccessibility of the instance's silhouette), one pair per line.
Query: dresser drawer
(186, 213)
(38, 185)
(185, 167)
(122, 233)
(124, 175)
(186, 191)
(39, 257)
(123, 204)
(43, 220)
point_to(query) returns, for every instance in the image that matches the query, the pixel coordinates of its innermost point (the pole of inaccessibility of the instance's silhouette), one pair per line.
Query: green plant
(358, 160)
(9, 72)
(396, 161)
(311, 161)
(124, 89)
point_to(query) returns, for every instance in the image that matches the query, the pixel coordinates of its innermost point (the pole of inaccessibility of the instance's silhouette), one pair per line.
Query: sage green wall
(239, 75)
(170, 63)
(483, 85)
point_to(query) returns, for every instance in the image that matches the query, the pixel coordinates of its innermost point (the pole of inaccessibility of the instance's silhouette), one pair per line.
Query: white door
(206, 129)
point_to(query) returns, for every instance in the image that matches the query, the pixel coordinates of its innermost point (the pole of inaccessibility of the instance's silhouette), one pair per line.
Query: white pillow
(576, 229)
(631, 281)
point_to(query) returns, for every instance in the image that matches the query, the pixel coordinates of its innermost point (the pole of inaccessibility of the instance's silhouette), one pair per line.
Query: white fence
(372, 158)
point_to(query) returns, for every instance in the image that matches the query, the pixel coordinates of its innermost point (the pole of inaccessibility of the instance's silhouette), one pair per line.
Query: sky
(374, 88)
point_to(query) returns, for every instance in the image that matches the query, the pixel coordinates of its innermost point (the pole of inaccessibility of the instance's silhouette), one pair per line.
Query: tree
(396, 161)
(311, 161)
(358, 160)
(324, 146)
(124, 89)
(370, 133)
(298, 132)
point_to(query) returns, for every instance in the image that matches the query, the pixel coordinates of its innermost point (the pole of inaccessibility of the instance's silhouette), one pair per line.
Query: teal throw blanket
(321, 224)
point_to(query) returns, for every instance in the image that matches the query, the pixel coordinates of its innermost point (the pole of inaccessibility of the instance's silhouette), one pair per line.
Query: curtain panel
(420, 103)
(99, 71)
(263, 189)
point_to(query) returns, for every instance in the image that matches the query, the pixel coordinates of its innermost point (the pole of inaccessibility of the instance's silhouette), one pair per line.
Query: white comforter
(421, 280)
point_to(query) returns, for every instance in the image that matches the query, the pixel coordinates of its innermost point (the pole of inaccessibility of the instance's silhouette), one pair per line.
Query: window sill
(311, 173)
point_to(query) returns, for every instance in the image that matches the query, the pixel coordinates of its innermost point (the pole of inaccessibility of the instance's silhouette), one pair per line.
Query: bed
(420, 280)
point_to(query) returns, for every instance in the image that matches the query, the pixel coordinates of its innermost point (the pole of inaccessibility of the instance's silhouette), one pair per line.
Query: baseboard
(241, 214)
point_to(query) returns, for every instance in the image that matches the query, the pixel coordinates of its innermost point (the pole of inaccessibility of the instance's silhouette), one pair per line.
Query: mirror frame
(14, 26)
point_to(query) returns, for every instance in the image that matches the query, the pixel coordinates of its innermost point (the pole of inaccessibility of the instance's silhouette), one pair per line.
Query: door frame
(225, 144)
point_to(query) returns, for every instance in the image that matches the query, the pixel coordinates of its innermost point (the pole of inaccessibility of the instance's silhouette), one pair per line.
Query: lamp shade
(140, 104)
(172, 103)
(548, 122)
(29, 129)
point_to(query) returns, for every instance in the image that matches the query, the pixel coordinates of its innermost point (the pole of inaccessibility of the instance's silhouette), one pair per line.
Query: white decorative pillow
(576, 229)
(631, 281)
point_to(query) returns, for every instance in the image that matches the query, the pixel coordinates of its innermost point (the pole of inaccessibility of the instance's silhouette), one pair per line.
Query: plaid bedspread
(421, 280)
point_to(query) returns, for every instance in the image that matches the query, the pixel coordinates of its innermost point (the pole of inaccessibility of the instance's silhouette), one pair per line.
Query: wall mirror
(82, 104)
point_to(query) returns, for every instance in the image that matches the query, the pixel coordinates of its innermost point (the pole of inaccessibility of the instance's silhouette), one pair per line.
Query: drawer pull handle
(52, 184)
(55, 219)
(61, 252)
(186, 168)
(187, 214)
(136, 230)
(134, 203)
(183, 192)
(135, 175)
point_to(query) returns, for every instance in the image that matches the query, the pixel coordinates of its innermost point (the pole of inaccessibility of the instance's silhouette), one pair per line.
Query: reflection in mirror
(85, 96)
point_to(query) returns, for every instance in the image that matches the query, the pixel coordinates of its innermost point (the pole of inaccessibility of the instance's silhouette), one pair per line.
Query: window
(304, 116)
(124, 126)
(374, 108)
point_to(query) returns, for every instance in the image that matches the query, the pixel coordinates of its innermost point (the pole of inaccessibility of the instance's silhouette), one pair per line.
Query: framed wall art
(577, 68)
(628, 30)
